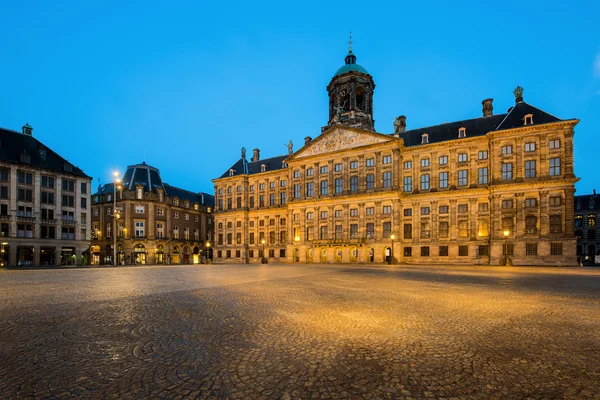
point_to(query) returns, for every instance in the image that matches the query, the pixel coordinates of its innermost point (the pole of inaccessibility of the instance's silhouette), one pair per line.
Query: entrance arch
(338, 255)
(296, 255)
(387, 253)
(371, 254)
(354, 255)
(323, 255)
(309, 255)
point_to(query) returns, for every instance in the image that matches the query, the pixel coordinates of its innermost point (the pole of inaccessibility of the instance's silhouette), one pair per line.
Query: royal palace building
(496, 189)
(154, 222)
(44, 204)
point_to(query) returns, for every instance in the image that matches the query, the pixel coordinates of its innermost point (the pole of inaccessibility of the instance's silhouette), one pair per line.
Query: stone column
(473, 219)
(36, 255)
(57, 255)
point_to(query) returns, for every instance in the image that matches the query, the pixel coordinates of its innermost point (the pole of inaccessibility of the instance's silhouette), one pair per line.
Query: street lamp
(116, 182)
(506, 233)
(392, 237)
(207, 252)
(263, 260)
(3, 252)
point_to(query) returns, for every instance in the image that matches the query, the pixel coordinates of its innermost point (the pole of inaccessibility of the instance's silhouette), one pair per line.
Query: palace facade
(496, 189)
(156, 223)
(44, 203)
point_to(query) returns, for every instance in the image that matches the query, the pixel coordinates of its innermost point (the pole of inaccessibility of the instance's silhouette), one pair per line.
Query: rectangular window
(387, 179)
(370, 211)
(323, 169)
(83, 202)
(283, 183)
(408, 183)
(48, 182)
(483, 207)
(324, 214)
(25, 195)
(353, 164)
(140, 209)
(425, 182)
(462, 157)
(310, 189)
(338, 186)
(407, 164)
(297, 191)
(310, 233)
(338, 213)
(506, 150)
(463, 228)
(4, 173)
(354, 212)
(463, 177)
(387, 209)
(387, 229)
(506, 171)
(482, 155)
(555, 224)
(4, 192)
(484, 250)
(310, 171)
(483, 176)
(425, 162)
(443, 251)
(424, 251)
(529, 147)
(338, 167)
(530, 203)
(324, 187)
(261, 186)
(484, 228)
(353, 231)
(297, 173)
(443, 209)
(556, 249)
(507, 204)
(531, 249)
(463, 251)
(282, 198)
(261, 200)
(370, 162)
(271, 185)
(354, 183)
(370, 181)
(463, 208)
(554, 144)
(425, 210)
(408, 212)
(370, 230)
(68, 201)
(251, 201)
(407, 231)
(387, 159)
(310, 215)
(425, 230)
(531, 224)
(443, 160)
(408, 252)
(555, 201)
(530, 169)
(68, 185)
(554, 166)
(25, 178)
(443, 180)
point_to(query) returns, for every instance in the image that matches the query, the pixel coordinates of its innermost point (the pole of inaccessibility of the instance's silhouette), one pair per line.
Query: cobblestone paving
(300, 332)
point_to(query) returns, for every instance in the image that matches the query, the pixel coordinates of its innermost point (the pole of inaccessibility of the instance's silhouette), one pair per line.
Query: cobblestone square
(300, 332)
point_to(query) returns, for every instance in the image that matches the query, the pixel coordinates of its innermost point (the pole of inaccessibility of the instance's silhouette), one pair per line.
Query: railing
(25, 219)
(336, 242)
(4, 217)
(69, 222)
(46, 221)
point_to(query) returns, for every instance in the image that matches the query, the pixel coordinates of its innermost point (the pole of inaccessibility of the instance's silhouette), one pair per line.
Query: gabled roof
(242, 166)
(13, 144)
(514, 118)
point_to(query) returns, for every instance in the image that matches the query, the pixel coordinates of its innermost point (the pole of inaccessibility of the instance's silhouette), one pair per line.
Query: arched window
(360, 98)
(424, 138)
(462, 132)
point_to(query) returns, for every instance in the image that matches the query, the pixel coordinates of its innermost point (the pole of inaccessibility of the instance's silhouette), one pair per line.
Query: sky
(184, 85)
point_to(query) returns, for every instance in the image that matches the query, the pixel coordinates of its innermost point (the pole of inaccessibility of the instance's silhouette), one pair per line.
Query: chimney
(594, 192)
(307, 140)
(256, 156)
(400, 124)
(27, 130)
(518, 92)
(488, 108)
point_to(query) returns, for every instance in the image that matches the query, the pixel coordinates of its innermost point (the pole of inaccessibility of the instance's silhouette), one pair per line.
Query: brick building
(157, 223)
(494, 189)
(586, 213)
(44, 201)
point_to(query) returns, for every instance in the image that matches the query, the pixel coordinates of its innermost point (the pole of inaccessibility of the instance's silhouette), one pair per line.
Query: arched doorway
(196, 255)
(186, 255)
(139, 254)
(324, 255)
(175, 255)
(338, 255)
(354, 255)
(371, 254)
(387, 253)
(296, 255)
(309, 255)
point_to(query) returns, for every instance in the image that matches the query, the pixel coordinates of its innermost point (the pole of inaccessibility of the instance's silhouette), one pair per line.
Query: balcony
(24, 218)
(45, 221)
(4, 217)
(68, 222)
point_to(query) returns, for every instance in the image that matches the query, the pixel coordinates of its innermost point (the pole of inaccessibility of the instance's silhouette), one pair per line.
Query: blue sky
(190, 83)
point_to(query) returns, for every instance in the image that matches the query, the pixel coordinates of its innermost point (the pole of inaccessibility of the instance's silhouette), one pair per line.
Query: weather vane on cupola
(350, 43)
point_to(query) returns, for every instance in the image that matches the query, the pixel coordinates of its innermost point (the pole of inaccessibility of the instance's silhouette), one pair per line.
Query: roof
(242, 166)
(351, 65)
(13, 144)
(182, 194)
(142, 174)
(583, 202)
(478, 126)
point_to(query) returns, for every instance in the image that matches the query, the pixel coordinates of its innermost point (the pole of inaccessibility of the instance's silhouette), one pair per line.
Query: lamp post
(262, 241)
(116, 182)
(3, 253)
(392, 237)
(506, 233)
(207, 252)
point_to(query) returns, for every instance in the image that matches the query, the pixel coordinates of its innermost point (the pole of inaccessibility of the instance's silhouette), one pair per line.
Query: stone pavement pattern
(300, 332)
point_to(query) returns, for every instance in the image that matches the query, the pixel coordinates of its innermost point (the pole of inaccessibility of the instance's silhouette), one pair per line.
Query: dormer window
(263, 168)
(175, 201)
(43, 153)
(231, 172)
(283, 164)
(25, 158)
(186, 204)
(528, 119)
(68, 167)
(462, 132)
(140, 193)
(424, 138)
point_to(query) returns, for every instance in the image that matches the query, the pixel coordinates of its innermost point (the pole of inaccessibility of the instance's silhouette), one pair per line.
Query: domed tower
(351, 95)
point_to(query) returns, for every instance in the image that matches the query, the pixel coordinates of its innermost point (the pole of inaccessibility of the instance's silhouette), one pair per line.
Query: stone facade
(44, 204)
(157, 223)
(587, 208)
(491, 190)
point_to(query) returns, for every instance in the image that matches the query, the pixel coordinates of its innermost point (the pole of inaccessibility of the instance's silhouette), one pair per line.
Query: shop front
(24, 255)
(67, 256)
(47, 255)
(139, 254)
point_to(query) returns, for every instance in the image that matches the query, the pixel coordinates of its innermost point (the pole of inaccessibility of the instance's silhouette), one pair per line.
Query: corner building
(488, 190)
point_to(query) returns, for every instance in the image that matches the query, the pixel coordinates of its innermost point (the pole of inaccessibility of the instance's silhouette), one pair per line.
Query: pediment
(340, 138)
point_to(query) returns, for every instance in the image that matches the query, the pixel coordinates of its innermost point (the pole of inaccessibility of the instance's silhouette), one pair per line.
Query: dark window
(408, 252)
(463, 251)
(83, 187)
(354, 183)
(443, 251)
(407, 231)
(484, 250)
(424, 251)
(370, 181)
(370, 231)
(531, 249)
(68, 185)
(555, 224)
(556, 249)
